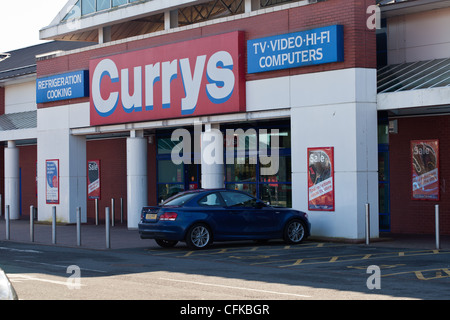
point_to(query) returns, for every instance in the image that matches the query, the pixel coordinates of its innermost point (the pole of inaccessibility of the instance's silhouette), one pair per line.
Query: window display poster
(321, 179)
(425, 169)
(52, 181)
(94, 179)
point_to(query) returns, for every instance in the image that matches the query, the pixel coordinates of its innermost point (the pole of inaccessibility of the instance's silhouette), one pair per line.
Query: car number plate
(150, 216)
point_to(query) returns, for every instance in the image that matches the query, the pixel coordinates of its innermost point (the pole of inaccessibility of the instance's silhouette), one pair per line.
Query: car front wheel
(199, 236)
(294, 232)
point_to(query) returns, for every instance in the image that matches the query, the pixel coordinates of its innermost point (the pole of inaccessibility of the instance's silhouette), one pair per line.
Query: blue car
(200, 217)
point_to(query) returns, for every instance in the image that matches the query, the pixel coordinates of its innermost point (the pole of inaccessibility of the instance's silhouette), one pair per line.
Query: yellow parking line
(188, 254)
(334, 259)
(299, 261)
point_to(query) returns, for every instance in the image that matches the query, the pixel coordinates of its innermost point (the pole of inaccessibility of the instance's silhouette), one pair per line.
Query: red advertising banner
(93, 179)
(425, 169)
(191, 78)
(321, 179)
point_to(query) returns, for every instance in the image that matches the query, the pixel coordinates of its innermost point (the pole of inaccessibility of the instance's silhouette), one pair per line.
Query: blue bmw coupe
(200, 217)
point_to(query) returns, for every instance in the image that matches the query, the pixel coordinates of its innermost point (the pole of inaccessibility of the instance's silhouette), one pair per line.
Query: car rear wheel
(294, 232)
(199, 236)
(166, 243)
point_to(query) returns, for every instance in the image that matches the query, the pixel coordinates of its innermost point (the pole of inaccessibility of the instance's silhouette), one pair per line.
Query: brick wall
(113, 175)
(27, 164)
(417, 216)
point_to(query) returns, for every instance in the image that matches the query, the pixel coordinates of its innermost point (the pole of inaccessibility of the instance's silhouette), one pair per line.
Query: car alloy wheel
(294, 232)
(198, 237)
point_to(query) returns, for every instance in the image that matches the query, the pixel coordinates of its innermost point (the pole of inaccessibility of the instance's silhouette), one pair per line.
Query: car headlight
(7, 291)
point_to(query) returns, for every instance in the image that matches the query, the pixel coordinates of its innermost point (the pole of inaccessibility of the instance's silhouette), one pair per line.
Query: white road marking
(238, 288)
(21, 277)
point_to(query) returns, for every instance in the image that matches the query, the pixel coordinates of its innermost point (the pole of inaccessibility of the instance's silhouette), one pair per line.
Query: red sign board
(321, 179)
(192, 78)
(425, 169)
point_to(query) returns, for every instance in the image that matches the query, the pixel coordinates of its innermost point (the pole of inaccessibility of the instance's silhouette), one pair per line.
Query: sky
(21, 20)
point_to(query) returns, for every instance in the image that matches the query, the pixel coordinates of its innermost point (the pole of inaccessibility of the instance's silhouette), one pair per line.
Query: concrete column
(136, 177)
(252, 5)
(212, 157)
(104, 34)
(12, 180)
(170, 19)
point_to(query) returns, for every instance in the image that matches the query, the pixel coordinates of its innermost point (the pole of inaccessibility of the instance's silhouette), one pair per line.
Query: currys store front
(282, 108)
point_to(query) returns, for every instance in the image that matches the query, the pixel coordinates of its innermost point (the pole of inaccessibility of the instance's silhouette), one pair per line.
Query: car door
(225, 225)
(256, 219)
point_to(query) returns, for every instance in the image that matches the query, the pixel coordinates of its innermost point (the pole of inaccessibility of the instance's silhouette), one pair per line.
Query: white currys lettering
(137, 84)
(105, 68)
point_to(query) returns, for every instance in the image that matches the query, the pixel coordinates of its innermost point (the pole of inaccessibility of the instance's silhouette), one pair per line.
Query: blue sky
(20, 21)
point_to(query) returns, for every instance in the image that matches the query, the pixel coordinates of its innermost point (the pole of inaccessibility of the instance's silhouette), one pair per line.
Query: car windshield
(179, 200)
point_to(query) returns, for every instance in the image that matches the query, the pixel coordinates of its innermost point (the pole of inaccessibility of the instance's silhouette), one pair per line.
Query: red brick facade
(417, 216)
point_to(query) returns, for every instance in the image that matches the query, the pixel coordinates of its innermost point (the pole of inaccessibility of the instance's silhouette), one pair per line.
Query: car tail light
(168, 216)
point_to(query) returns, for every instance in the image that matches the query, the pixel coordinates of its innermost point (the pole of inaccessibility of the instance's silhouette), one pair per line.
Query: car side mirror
(259, 205)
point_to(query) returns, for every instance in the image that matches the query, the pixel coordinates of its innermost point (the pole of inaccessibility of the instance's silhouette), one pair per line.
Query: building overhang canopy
(77, 21)
(421, 87)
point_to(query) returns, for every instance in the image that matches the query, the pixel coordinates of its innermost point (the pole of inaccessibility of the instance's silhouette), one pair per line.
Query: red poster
(93, 179)
(198, 77)
(425, 169)
(321, 179)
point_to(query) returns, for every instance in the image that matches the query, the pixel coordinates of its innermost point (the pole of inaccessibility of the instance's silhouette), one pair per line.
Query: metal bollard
(113, 213)
(367, 224)
(32, 223)
(54, 224)
(79, 226)
(96, 212)
(108, 229)
(436, 219)
(8, 235)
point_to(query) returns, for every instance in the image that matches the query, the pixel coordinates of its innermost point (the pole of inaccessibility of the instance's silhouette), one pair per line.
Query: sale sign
(321, 179)
(93, 179)
(192, 78)
(425, 169)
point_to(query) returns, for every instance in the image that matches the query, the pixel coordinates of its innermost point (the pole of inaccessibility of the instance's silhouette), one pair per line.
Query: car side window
(236, 199)
(210, 200)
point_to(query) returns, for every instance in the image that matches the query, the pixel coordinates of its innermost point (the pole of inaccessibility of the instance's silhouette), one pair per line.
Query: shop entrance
(384, 174)
(174, 178)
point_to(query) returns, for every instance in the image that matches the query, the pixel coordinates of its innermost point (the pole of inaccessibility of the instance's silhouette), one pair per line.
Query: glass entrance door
(174, 178)
(384, 199)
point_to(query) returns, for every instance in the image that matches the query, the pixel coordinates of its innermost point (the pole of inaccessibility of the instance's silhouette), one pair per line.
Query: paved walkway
(94, 237)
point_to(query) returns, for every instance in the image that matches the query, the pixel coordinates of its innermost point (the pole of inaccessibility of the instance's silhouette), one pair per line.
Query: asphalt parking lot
(395, 268)
(402, 272)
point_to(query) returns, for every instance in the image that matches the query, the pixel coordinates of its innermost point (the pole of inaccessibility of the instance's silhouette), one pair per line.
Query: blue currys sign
(312, 47)
(63, 86)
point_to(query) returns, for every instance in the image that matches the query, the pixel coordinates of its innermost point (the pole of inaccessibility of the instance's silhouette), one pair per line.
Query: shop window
(174, 178)
(87, 6)
(103, 4)
(117, 3)
(244, 169)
